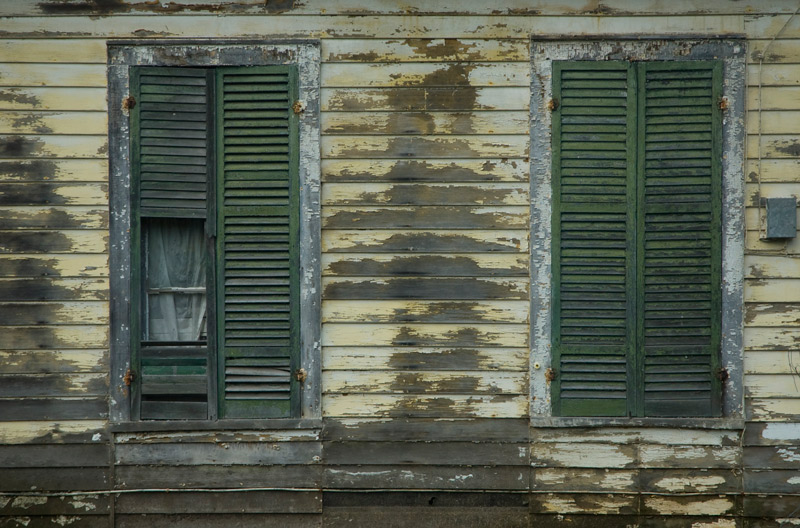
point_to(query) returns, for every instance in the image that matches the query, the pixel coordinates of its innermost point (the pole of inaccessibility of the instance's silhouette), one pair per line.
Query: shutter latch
(549, 374)
(297, 107)
(722, 374)
(128, 103)
(552, 105)
(128, 377)
(300, 375)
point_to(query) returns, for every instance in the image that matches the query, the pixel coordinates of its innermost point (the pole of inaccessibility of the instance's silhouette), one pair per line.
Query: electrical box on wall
(781, 218)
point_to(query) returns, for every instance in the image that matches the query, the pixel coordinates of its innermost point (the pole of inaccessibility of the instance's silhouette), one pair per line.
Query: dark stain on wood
(20, 147)
(26, 409)
(84, 7)
(443, 49)
(56, 479)
(109, 7)
(792, 148)
(409, 336)
(35, 194)
(45, 362)
(423, 171)
(35, 242)
(445, 359)
(753, 310)
(436, 217)
(427, 242)
(31, 121)
(513, 430)
(29, 267)
(47, 290)
(208, 476)
(425, 288)
(428, 265)
(430, 195)
(53, 219)
(13, 95)
(29, 170)
(408, 99)
(37, 385)
(32, 314)
(415, 383)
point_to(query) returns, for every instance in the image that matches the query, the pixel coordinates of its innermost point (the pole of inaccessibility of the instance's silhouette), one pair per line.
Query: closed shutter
(679, 226)
(170, 120)
(257, 245)
(636, 238)
(593, 185)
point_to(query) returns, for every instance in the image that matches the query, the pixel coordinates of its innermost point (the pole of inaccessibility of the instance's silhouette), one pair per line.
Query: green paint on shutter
(680, 241)
(592, 184)
(170, 158)
(636, 238)
(257, 241)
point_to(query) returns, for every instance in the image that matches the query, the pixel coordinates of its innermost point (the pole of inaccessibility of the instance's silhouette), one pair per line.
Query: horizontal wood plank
(223, 453)
(426, 477)
(430, 241)
(28, 122)
(72, 75)
(84, 193)
(424, 50)
(777, 362)
(54, 265)
(485, 194)
(449, 335)
(183, 502)
(75, 51)
(52, 361)
(356, 75)
(52, 98)
(53, 337)
(47, 241)
(425, 265)
(53, 146)
(464, 453)
(435, 406)
(380, 311)
(424, 358)
(429, 170)
(62, 384)
(43, 217)
(425, 123)
(417, 382)
(380, 147)
(424, 99)
(52, 432)
(425, 288)
(54, 170)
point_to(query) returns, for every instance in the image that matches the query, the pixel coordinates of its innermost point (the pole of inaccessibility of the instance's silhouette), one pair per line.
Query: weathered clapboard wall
(426, 292)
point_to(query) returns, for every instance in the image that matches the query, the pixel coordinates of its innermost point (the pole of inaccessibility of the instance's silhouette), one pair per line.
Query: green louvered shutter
(171, 134)
(593, 138)
(679, 237)
(257, 244)
(170, 163)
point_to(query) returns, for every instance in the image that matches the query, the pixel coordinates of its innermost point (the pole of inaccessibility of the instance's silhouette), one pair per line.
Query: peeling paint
(25, 502)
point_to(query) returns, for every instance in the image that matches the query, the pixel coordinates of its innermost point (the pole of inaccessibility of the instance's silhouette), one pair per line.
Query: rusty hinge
(129, 102)
(549, 374)
(723, 103)
(300, 375)
(297, 107)
(722, 374)
(552, 105)
(128, 377)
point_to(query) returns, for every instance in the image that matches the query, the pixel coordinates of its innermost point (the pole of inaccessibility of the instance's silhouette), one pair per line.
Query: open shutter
(257, 246)
(171, 138)
(593, 172)
(679, 237)
(170, 157)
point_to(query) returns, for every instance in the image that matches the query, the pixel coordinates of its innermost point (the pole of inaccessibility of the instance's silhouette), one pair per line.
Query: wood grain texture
(434, 406)
(424, 50)
(424, 146)
(343, 334)
(427, 241)
(425, 265)
(382, 311)
(425, 74)
(429, 382)
(53, 98)
(483, 194)
(418, 123)
(482, 359)
(428, 170)
(424, 99)
(29, 122)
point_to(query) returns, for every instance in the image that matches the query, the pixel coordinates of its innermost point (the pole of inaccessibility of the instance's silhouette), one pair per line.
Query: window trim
(124, 54)
(731, 52)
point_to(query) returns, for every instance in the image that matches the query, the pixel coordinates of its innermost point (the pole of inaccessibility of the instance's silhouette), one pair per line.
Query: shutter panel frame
(244, 361)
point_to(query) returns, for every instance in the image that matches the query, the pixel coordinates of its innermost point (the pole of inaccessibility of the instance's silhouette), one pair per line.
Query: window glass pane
(175, 279)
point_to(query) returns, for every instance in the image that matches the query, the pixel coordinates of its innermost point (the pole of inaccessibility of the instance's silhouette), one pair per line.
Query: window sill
(678, 423)
(219, 425)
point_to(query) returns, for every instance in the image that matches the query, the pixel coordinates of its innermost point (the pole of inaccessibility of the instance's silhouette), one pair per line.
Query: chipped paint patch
(721, 523)
(80, 502)
(702, 483)
(789, 454)
(667, 505)
(782, 431)
(25, 502)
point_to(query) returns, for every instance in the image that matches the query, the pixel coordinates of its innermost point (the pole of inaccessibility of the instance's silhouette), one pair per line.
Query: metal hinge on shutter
(129, 102)
(300, 375)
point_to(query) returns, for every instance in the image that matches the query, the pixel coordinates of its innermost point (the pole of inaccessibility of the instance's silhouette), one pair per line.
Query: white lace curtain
(176, 280)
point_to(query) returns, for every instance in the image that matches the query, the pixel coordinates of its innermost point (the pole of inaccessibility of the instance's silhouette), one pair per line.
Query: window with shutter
(636, 238)
(216, 224)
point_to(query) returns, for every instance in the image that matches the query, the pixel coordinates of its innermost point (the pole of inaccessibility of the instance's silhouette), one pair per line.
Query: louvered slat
(174, 382)
(171, 140)
(679, 241)
(257, 241)
(592, 139)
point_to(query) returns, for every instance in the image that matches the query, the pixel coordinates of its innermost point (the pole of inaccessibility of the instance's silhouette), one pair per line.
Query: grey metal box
(781, 217)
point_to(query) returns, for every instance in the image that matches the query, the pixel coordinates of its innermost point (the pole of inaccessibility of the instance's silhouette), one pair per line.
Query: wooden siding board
(419, 123)
(95, 312)
(53, 98)
(68, 241)
(425, 454)
(425, 74)
(78, 505)
(424, 241)
(52, 361)
(422, 265)
(49, 170)
(383, 311)
(53, 432)
(451, 146)
(424, 358)
(342, 194)
(424, 99)
(54, 265)
(35, 122)
(430, 406)
(425, 170)
(401, 429)
(54, 456)
(190, 502)
(54, 385)
(425, 288)
(43, 217)
(51, 409)
(425, 477)
(45, 479)
(424, 50)
(217, 476)
(418, 382)
(234, 453)
(344, 334)
(240, 520)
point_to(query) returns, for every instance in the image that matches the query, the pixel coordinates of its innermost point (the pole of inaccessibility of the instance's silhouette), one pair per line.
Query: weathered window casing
(299, 57)
(730, 55)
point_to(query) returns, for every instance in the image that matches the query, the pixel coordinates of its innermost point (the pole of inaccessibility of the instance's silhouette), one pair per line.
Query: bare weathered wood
(53, 194)
(425, 241)
(52, 241)
(218, 476)
(54, 479)
(597, 504)
(678, 435)
(427, 382)
(425, 288)
(676, 456)
(424, 170)
(85, 312)
(75, 408)
(761, 481)
(425, 217)
(677, 481)
(772, 409)
(425, 453)
(78, 505)
(584, 480)
(771, 434)
(428, 430)
(691, 505)
(771, 506)
(38, 217)
(53, 289)
(235, 502)
(424, 311)
(223, 453)
(583, 455)
(53, 432)
(214, 520)
(54, 456)
(426, 477)
(772, 457)
(424, 358)
(54, 337)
